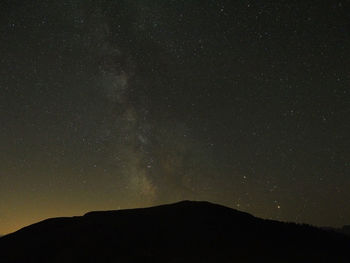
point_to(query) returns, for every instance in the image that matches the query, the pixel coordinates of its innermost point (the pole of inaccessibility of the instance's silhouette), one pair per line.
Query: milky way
(119, 104)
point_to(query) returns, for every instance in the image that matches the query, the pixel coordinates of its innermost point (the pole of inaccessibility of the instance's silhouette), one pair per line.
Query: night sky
(123, 104)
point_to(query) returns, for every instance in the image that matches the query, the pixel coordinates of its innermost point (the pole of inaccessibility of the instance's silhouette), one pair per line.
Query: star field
(120, 104)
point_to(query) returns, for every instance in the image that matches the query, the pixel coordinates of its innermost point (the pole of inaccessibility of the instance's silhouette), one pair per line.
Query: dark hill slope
(181, 232)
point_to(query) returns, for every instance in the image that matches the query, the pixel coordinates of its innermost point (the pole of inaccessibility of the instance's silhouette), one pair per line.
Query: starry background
(121, 104)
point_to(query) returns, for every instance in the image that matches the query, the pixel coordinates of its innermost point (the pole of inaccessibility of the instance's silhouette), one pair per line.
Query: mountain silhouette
(188, 231)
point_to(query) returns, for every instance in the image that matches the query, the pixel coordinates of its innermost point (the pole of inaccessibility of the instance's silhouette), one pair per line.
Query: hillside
(182, 232)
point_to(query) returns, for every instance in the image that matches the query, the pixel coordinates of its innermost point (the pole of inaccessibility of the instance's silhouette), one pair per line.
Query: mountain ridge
(186, 231)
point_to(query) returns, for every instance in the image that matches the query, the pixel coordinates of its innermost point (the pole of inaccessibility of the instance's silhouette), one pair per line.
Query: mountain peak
(190, 208)
(186, 231)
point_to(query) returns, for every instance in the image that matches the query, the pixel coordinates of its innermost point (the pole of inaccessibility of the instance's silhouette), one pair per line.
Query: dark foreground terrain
(181, 232)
